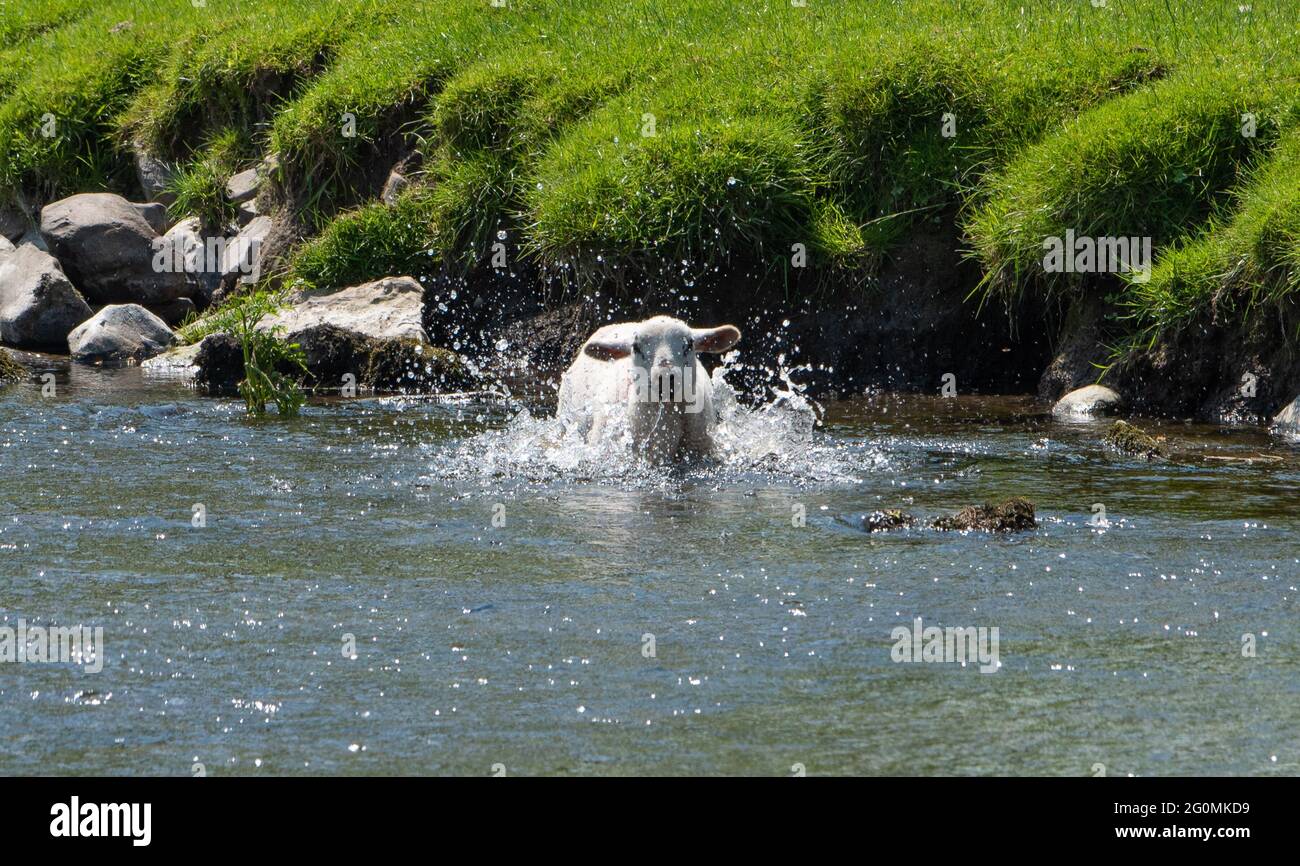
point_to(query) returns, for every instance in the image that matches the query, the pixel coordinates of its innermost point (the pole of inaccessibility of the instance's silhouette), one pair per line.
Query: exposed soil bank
(905, 329)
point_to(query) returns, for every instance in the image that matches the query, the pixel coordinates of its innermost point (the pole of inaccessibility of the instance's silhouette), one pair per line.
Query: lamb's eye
(688, 345)
(636, 347)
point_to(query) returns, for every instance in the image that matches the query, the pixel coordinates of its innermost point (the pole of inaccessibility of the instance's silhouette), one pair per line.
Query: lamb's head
(664, 355)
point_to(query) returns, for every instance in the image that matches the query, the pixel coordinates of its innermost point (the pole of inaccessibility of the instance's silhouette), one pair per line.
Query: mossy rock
(1127, 439)
(408, 366)
(10, 370)
(883, 521)
(1014, 515)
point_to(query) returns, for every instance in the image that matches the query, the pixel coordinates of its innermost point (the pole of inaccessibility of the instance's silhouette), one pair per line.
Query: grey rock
(173, 312)
(119, 334)
(200, 257)
(6, 246)
(1089, 401)
(1287, 422)
(220, 360)
(38, 304)
(246, 213)
(13, 223)
(242, 187)
(108, 249)
(391, 308)
(155, 214)
(242, 262)
(154, 175)
(177, 362)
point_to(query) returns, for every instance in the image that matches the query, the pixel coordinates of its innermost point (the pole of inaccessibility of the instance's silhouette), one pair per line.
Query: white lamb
(648, 377)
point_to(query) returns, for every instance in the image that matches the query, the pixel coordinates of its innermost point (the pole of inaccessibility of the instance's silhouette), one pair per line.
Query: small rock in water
(883, 521)
(10, 370)
(1088, 402)
(1287, 422)
(1014, 515)
(119, 334)
(1127, 439)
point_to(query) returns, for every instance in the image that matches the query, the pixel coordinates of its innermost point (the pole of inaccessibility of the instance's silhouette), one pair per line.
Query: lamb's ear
(718, 339)
(608, 348)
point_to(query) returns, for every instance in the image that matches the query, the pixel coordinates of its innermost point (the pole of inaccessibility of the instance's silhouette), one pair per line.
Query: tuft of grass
(1239, 264)
(1152, 164)
(266, 354)
(200, 187)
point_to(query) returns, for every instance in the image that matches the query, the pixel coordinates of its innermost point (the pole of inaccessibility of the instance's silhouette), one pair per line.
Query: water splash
(778, 437)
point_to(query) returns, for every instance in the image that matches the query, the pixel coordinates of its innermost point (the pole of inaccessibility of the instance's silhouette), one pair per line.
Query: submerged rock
(119, 334)
(220, 363)
(1287, 422)
(10, 370)
(1014, 515)
(883, 521)
(38, 304)
(1088, 402)
(1127, 439)
(178, 361)
(337, 358)
(410, 366)
(107, 247)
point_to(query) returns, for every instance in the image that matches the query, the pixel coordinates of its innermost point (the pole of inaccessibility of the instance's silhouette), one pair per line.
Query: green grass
(773, 125)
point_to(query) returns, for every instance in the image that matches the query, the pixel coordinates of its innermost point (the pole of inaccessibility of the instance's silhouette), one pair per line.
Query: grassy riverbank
(601, 133)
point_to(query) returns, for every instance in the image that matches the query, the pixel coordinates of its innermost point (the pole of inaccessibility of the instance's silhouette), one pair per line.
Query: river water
(403, 587)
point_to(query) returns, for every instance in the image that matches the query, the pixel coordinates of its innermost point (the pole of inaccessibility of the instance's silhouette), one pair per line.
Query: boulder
(1127, 439)
(1089, 401)
(200, 256)
(13, 223)
(1287, 422)
(174, 312)
(387, 309)
(38, 304)
(246, 213)
(155, 214)
(242, 261)
(220, 362)
(6, 246)
(119, 334)
(1014, 515)
(407, 366)
(332, 354)
(242, 187)
(108, 248)
(154, 175)
(885, 520)
(179, 361)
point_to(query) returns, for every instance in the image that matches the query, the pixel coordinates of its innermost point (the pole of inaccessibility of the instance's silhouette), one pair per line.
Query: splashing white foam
(778, 438)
